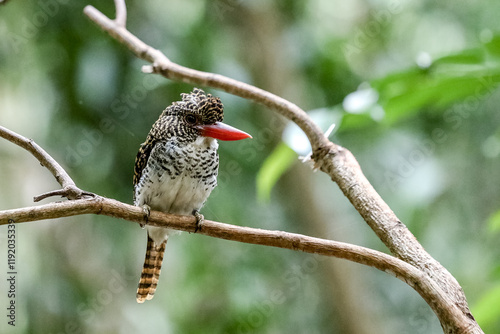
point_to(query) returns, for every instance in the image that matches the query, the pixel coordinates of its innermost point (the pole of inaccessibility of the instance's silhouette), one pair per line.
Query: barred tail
(150, 271)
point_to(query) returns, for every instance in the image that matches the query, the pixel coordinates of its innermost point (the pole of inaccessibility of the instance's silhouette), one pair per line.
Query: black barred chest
(179, 178)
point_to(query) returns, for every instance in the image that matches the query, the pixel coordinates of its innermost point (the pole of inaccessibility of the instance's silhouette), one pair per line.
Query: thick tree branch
(332, 159)
(419, 281)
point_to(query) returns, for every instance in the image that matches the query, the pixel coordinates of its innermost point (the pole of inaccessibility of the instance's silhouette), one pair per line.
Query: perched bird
(176, 170)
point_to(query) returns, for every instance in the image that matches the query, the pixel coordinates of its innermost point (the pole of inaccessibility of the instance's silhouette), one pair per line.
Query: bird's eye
(190, 119)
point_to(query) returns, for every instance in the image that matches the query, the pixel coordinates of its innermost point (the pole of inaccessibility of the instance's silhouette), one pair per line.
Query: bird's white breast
(178, 179)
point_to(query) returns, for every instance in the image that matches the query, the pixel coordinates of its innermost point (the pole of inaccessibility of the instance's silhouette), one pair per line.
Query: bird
(176, 169)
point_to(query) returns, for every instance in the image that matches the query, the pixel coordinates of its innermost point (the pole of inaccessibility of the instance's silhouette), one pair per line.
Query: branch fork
(71, 192)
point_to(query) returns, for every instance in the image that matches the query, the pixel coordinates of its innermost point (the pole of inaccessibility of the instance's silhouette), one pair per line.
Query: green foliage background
(429, 143)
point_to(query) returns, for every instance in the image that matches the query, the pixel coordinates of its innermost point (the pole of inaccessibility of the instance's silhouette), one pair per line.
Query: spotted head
(198, 114)
(200, 108)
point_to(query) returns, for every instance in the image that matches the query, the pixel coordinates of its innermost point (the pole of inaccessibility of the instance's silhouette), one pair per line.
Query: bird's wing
(142, 157)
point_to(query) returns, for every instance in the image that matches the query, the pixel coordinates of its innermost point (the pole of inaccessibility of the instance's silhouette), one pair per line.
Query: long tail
(151, 270)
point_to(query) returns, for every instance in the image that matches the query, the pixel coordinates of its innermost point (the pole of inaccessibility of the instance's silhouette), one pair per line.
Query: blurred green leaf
(273, 167)
(495, 272)
(440, 91)
(355, 121)
(494, 222)
(470, 56)
(493, 46)
(448, 80)
(487, 309)
(397, 83)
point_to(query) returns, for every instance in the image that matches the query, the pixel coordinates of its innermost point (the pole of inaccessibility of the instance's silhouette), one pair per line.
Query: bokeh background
(411, 87)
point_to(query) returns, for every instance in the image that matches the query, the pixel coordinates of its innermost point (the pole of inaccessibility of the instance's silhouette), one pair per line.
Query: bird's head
(198, 114)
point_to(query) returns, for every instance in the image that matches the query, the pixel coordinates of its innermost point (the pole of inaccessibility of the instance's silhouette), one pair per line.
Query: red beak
(222, 131)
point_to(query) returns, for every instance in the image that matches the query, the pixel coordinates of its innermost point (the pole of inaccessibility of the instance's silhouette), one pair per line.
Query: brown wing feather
(142, 157)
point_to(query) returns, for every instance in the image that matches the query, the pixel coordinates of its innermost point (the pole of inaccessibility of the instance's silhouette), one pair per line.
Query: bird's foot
(146, 210)
(199, 220)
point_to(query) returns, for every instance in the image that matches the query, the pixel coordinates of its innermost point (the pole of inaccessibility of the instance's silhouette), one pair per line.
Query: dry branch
(427, 288)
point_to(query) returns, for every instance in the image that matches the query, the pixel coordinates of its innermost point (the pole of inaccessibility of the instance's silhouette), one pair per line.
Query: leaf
(277, 163)
(471, 56)
(440, 91)
(494, 222)
(354, 122)
(487, 309)
(449, 79)
(493, 46)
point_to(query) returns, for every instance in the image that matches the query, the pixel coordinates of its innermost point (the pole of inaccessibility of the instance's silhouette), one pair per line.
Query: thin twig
(68, 192)
(121, 13)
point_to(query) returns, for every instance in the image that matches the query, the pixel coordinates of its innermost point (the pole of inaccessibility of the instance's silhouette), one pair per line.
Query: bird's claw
(146, 210)
(199, 220)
